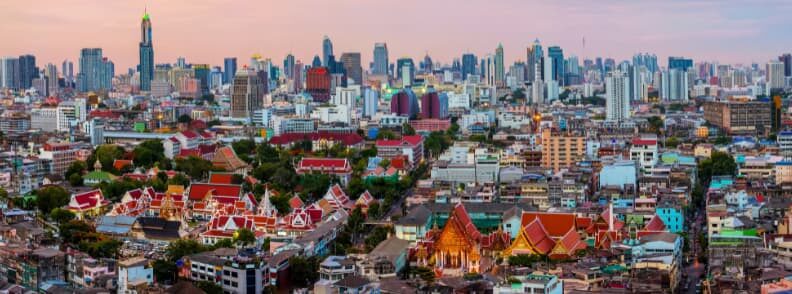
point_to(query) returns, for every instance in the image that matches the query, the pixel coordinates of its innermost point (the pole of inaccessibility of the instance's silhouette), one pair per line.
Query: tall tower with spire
(146, 65)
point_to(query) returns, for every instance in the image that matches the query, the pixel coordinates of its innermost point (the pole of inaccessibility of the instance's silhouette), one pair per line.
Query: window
(234, 274)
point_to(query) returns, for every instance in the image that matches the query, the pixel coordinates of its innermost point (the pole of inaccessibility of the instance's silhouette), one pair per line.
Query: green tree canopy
(244, 237)
(50, 197)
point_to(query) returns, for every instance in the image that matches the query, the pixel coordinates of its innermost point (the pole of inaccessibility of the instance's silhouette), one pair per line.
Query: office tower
(537, 92)
(488, 69)
(352, 67)
(647, 60)
(41, 86)
(67, 69)
(370, 102)
(96, 71)
(787, 60)
(381, 62)
(427, 65)
(468, 65)
(215, 77)
(96, 131)
(500, 70)
(535, 58)
(247, 94)
(609, 64)
(298, 76)
(617, 99)
(775, 75)
(317, 83)
(51, 73)
(181, 62)
(288, 66)
(9, 71)
(679, 63)
(229, 69)
(146, 65)
(556, 56)
(327, 50)
(574, 75)
(405, 103)
(547, 71)
(674, 85)
(201, 73)
(27, 71)
(517, 71)
(434, 105)
(405, 66)
(317, 61)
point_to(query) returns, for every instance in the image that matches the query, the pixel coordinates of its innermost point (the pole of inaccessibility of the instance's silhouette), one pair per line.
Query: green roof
(99, 176)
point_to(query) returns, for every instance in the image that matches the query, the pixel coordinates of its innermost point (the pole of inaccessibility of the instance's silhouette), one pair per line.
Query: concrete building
(134, 275)
(561, 149)
(617, 96)
(531, 284)
(247, 94)
(44, 119)
(739, 117)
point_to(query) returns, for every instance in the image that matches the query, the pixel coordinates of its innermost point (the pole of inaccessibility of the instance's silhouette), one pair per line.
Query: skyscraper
(500, 70)
(427, 65)
(288, 66)
(96, 71)
(67, 69)
(405, 103)
(370, 102)
(679, 63)
(535, 57)
(352, 67)
(468, 65)
(9, 72)
(556, 56)
(146, 66)
(380, 59)
(27, 71)
(434, 105)
(327, 50)
(674, 85)
(202, 75)
(775, 75)
(617, 100)
(317, 83)
(247, 94)
(51, 72)
(405, 66)
(787, 60)
(229, 69)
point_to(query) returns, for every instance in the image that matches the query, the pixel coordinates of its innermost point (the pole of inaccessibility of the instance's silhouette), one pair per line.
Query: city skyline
(724, 31)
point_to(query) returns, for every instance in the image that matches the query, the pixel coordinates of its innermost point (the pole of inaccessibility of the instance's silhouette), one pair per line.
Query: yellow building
(560, 150)
(702, 132)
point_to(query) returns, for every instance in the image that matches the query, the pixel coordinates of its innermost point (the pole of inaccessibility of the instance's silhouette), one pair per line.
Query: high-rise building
(427, 65)
(535, 58)
(787, 60)
(298, 76)
(9, 73)
(317, 83)
(556, 56)
(500, 70)
(679, 63)
(617, 96)
(247, 94)
(96, 71)
(146, 65)
(370, 102)
(288, 66)
(561, 149)
(468, 65)
(51, 72)
(434, 105)
(381, 62)
(27, 71)
(202, 75)
(405, 66)
(674, 85)
(775, 75)
(67, 69)
(405, 103)
(229, 69)
(327, 50)
(352, 67)
(740, 117)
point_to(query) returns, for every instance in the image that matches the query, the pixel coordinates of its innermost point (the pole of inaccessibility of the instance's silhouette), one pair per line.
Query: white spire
(610, 216)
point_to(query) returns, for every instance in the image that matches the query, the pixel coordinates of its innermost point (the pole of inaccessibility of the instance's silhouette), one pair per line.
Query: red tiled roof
(119, 164)
(333, 164)
(346, 139)
(189, 134)
(88, 200)
(569, 244)
(538, 237)
(639, 141)
(220, 178)
(199, 190)
(655, 224)
(556, 224)
(295, 202)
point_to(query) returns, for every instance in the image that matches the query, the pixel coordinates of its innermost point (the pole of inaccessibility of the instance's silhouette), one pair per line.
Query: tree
(60, 215)
(386, 134)
(671, 142)
(149, 153)
(77, 167)
(719, 164)
(179, 179)
(426, 274)
(51, 197)
(106, 154)
(195, 167)
(183, 247)
(73, 231)
(266, 153)
(303, 271)
(723, 140)
(284, 178)
(266, 245)
(373, 211)
(104, 247)
(209, 287)
(75, 180)
(244, 237)
(656, 124)
(376, 237)
(314, 185)
(244, 148)
(185, 119)
(281, 203)
(407, 130)
(164, 271)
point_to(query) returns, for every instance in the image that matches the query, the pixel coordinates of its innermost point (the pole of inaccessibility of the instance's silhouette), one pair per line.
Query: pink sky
(205, 31)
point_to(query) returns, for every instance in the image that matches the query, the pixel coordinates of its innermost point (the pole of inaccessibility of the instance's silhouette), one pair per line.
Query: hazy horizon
(207, 31)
